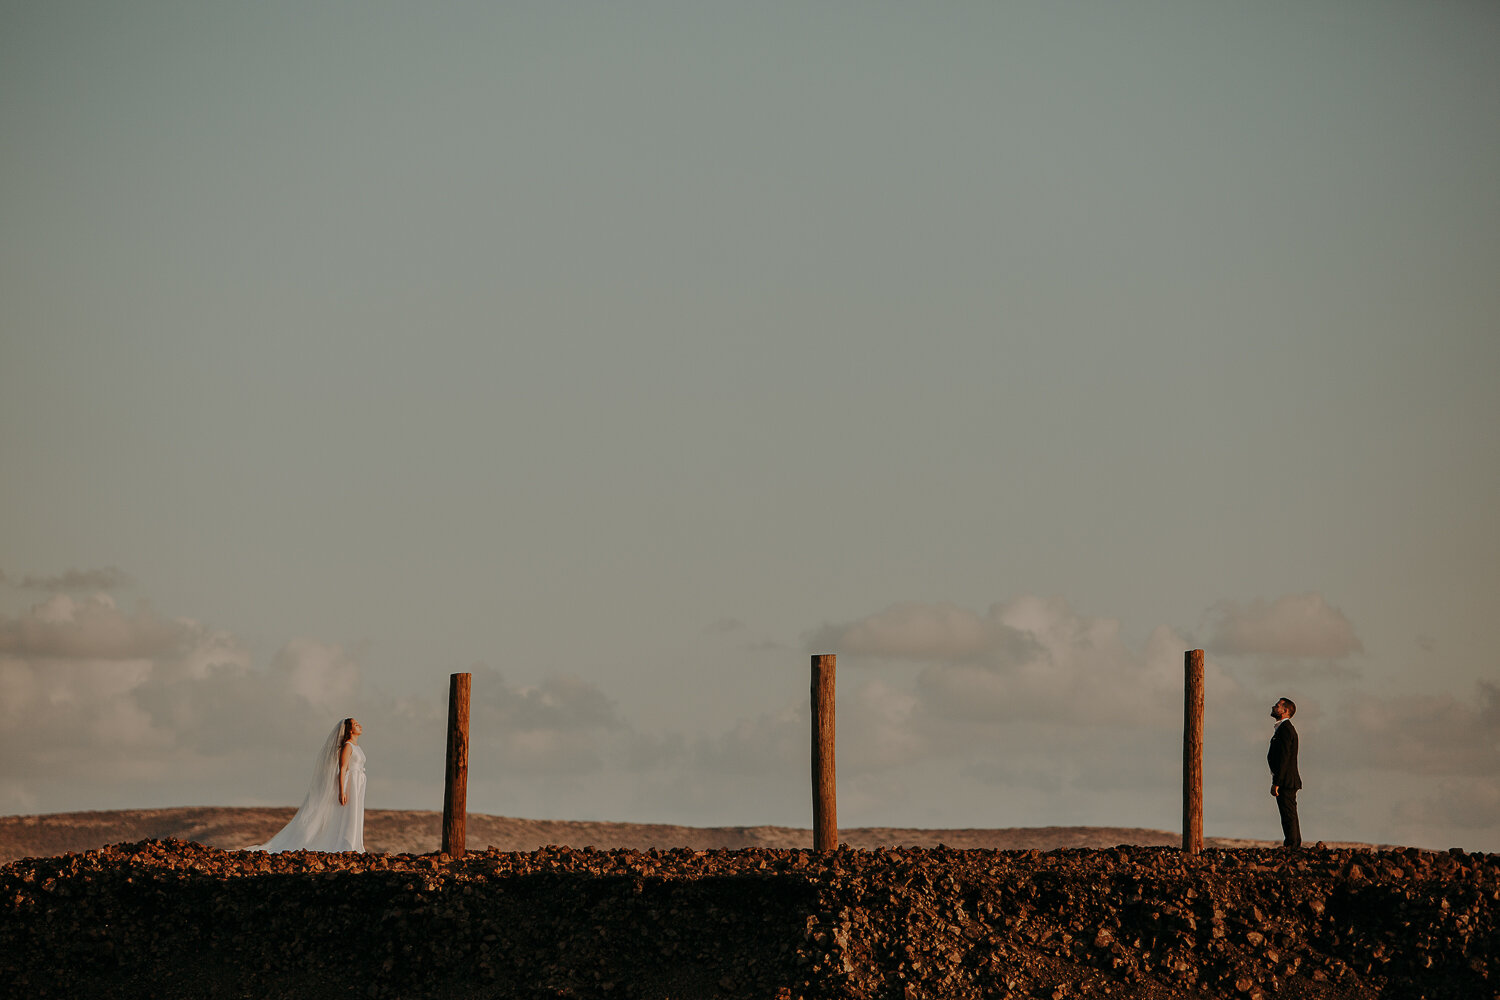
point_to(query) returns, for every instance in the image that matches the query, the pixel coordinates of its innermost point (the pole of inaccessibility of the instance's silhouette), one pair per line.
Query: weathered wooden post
(824, 779)
(456, 788)
(1192, 752)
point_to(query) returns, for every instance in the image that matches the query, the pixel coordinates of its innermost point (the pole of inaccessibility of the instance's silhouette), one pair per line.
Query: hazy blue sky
(627, 353)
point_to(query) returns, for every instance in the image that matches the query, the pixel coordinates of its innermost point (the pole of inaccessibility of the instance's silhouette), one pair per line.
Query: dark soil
(166, 918)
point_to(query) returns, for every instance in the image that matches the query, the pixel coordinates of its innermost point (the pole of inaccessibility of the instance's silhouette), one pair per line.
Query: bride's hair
(346, 729)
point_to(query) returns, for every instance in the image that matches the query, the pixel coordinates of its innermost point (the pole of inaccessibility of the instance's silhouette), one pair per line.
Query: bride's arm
(343, 767)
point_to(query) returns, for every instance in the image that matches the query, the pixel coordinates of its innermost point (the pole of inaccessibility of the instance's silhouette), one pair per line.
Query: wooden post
(1192, 752)
(456, 788)
(824, 778)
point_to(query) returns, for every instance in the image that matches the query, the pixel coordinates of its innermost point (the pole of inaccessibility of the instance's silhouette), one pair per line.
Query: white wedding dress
(321, 824)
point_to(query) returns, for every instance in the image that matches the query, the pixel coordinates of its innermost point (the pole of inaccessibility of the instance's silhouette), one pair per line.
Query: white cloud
(1454, 804)
(560, 726)
(90, 628)
(1030, 659)
(71, 715)
(772, 741)
(1421, 734)
(1301, 626)
(108, 578)
(920, 632)
(877, 731)
(105, 708)
(322, 673)
(1029, 712)
(1026, 713)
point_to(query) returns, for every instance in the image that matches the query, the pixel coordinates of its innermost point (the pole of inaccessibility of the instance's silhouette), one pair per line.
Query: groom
(1285, 781)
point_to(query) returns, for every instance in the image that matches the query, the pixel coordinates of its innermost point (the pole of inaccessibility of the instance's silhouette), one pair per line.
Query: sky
(627, 355)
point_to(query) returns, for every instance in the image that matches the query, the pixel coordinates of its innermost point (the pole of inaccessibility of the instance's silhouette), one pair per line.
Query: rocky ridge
(169, 918)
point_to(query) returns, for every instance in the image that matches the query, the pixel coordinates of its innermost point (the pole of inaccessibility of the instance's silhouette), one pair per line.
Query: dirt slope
(392, 831)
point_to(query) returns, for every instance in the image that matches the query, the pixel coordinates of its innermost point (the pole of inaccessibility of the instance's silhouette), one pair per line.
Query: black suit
(1283, 760)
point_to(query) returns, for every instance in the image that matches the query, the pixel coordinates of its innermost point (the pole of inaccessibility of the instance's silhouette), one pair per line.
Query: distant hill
(395, 831)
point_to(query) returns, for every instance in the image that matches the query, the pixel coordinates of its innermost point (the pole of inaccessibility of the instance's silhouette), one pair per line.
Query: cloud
(91, 628)
(772, 741)
(1455, 804)
(1028, 710)
(108, 578)
(1294, 625)
(1026, 713)
(1030, 659)
(95, 700)
(71, 708)
(919, 632)
(879, 730)
(322, 673)
(102, 707)
(561, 726)
(1421, 734)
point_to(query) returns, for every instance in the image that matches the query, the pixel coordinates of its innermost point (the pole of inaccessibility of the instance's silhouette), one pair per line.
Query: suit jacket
(1283, 757)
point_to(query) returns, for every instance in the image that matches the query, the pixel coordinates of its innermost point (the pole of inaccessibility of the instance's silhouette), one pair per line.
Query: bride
(332, 817)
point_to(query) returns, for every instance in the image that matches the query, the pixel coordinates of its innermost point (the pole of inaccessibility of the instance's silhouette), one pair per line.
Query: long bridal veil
(315, 827)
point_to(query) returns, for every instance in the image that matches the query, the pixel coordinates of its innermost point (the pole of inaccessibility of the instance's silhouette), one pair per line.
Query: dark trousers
(1286, 804)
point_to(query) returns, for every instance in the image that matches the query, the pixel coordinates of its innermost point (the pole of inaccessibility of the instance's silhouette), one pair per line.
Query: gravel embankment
(174, 919)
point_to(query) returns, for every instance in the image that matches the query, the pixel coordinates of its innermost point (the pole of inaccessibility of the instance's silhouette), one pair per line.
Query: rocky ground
(165, 918)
